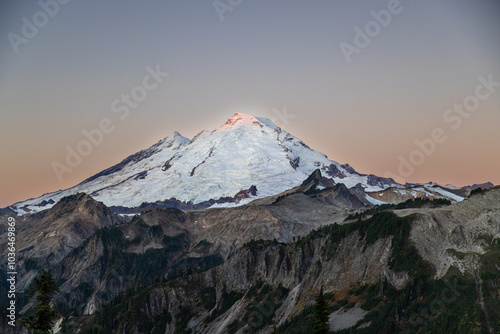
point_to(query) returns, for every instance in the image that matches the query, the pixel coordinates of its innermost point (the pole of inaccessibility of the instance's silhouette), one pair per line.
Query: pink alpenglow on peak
(239, 119)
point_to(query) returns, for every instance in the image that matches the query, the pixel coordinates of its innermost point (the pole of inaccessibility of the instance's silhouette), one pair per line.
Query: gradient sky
(262, 56)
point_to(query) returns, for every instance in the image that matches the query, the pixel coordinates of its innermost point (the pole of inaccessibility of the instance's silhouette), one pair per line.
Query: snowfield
(244, 151)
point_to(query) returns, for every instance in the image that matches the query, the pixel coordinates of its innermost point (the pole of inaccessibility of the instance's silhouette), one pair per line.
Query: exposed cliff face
(47, 237)
(455, 235)
(141, 251)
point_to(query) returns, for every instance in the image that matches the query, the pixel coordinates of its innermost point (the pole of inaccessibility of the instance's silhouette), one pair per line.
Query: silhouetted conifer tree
(320, 315)
(44, 317)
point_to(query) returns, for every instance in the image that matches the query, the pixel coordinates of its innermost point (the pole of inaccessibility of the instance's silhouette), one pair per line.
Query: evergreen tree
(275, 330)
(44, 316)
(320, 315)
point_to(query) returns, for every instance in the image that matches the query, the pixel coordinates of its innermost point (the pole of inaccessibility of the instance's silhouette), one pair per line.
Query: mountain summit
(240, 119)
(245, 152)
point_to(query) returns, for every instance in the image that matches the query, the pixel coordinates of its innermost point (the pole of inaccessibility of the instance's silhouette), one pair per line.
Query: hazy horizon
(360, 99)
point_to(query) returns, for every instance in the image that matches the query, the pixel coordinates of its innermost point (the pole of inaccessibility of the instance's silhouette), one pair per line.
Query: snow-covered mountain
(246, 151)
